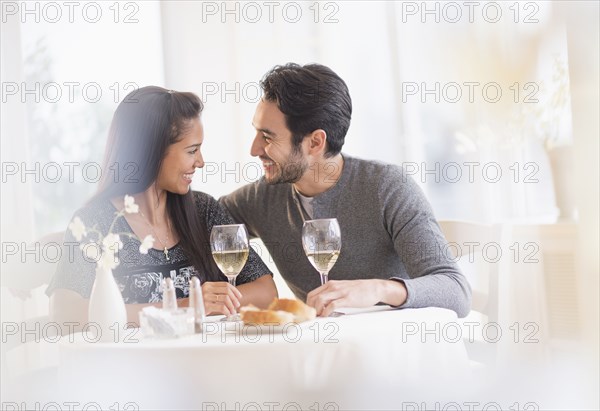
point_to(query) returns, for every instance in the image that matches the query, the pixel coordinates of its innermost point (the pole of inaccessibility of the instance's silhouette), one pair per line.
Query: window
(75, 74)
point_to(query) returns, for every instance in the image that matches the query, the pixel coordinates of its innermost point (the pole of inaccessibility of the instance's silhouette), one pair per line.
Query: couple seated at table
(391, 242)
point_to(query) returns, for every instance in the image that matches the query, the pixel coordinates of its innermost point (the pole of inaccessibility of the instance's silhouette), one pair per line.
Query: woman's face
(182, 159)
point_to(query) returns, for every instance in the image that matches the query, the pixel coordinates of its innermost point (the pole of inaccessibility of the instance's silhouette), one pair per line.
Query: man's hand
(356, 294)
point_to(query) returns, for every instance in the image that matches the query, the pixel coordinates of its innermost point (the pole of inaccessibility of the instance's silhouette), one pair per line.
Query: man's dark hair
(311, 97)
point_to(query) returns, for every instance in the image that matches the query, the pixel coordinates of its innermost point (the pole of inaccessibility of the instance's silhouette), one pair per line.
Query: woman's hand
(220, 298)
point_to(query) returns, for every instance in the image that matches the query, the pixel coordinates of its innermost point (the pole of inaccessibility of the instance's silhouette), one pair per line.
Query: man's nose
(258, 147)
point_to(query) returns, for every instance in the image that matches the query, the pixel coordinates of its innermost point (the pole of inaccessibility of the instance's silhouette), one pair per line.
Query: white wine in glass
(231, 262)
(324, 260)
(230, 250)
(322, 243)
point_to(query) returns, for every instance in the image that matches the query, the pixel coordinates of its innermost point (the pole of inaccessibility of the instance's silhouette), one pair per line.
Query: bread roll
(252, 315)
(301, 311)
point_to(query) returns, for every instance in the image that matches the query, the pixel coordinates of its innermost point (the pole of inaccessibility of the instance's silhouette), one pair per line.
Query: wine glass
(229, 246)
(322, 243)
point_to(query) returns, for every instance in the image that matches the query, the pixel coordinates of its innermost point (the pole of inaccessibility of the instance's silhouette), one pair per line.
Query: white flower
(146, 244)
(77, 228)
(112, 242)
(130, 206)
(105, 249)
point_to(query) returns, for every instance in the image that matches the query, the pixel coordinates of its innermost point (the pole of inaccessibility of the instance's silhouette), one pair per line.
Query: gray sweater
(388, 232)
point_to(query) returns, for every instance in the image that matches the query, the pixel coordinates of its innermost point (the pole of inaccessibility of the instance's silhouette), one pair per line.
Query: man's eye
(193, 151)
(265, 137)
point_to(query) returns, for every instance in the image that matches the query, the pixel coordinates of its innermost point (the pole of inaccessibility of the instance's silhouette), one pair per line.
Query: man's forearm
(439, 290)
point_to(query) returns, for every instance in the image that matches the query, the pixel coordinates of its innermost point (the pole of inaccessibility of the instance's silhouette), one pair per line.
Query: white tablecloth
(380, 359)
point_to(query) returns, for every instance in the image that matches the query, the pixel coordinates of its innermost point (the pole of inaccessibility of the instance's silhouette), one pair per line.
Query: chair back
(26, 321)
(482, 254)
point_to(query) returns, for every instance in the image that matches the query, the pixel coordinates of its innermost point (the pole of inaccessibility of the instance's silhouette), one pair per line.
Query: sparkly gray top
(388, 232)
(139, 275)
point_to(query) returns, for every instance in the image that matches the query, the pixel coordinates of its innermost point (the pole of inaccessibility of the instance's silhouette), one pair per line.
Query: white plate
(240, 327)
(352, 311)
(266, 329)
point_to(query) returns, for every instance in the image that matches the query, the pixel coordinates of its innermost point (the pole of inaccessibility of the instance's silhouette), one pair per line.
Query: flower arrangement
(104, 249)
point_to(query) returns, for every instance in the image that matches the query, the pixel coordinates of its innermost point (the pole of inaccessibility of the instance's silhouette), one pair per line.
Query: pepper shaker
(169, 298)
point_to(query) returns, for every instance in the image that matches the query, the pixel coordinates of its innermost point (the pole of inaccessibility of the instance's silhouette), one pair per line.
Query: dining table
(373, 358)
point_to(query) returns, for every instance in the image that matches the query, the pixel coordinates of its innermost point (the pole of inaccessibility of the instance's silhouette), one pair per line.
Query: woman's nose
(199, 160)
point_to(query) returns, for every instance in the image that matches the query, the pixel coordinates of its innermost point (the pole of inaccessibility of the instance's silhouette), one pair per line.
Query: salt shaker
(169, 298)
(197, 303)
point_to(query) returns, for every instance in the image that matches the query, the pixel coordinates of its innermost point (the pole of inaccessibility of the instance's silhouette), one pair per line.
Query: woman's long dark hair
(144, 125)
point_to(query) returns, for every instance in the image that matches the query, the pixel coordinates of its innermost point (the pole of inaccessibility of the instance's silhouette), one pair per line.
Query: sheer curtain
(16, 216)
(382, 50)
(223, 61)
(471, 155)
(16, 199)
(61, 82)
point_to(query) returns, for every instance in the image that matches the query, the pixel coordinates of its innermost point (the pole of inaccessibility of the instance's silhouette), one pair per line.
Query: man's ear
(317, 142)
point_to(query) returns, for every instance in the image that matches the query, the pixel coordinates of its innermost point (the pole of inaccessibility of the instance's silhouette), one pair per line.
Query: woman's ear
(317, 142)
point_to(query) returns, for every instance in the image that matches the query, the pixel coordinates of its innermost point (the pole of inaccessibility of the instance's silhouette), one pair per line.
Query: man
(392, 248)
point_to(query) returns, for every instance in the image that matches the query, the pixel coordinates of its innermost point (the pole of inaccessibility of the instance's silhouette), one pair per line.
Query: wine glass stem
(232, 317)
(324, 278)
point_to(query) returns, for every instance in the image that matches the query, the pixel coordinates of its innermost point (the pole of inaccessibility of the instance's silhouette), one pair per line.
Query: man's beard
(291, 171)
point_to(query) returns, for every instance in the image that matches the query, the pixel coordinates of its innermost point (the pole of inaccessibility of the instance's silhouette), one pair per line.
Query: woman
(152, 152)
